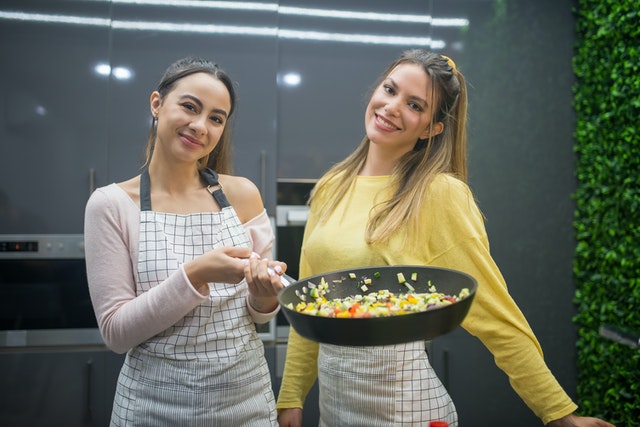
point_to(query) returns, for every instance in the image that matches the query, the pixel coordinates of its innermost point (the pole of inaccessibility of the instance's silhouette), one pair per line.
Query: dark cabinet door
(326, 71)
(53, 139)
(57, 388)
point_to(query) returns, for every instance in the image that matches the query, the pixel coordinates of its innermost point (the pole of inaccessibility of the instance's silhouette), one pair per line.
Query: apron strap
(208, 175)
(214, 187)
(145, 190)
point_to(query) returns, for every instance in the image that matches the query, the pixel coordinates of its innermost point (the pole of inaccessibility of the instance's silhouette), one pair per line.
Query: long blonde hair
(442, 153)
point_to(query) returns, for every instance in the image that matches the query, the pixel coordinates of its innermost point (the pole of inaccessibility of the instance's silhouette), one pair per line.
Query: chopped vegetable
(378, 304)
(401, 278)
(414, 276)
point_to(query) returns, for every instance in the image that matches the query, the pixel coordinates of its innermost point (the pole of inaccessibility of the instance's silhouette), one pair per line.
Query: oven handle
(291, 215)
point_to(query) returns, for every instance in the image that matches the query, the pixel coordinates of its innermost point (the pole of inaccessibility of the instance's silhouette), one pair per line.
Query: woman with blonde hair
(401, 198)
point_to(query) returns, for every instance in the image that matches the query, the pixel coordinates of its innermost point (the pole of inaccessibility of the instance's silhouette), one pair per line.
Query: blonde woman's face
(400, 109)
(191, 117)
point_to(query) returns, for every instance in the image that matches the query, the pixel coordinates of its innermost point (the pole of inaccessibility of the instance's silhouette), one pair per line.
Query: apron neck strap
(208, 175)
(214, 187)
(145, 190)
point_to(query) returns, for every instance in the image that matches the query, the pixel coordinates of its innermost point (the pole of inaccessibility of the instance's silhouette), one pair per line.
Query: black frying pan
(381, 330)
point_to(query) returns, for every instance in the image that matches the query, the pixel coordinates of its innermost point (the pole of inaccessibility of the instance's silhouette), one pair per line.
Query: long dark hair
(220, 158)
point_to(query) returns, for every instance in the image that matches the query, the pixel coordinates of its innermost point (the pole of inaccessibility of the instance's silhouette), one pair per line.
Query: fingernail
(278, 269)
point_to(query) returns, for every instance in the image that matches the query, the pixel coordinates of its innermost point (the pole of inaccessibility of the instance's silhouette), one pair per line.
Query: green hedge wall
(607, 219)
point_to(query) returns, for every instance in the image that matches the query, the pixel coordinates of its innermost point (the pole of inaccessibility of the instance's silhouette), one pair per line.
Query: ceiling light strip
(224, 29)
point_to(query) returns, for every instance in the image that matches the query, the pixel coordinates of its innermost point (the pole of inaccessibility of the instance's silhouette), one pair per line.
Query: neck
(379, 162)
(173, 178)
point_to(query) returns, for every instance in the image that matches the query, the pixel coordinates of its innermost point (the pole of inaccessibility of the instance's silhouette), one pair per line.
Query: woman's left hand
(263, 278)
(572, 420)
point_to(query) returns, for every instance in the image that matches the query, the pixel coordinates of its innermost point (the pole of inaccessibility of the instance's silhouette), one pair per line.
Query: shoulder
(243, 195)
(112, 200)
(452, 195)
(445, 186)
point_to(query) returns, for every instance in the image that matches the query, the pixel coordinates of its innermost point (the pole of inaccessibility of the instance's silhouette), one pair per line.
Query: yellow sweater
(453, 236)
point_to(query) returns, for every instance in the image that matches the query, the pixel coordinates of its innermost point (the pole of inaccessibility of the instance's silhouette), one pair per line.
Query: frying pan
(424, 325)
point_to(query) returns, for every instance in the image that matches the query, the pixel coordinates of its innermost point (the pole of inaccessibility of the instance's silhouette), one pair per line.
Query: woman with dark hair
(178, 267)
(401, 198)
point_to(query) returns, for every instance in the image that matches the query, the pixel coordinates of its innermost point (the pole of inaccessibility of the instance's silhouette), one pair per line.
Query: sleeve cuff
(259, 317)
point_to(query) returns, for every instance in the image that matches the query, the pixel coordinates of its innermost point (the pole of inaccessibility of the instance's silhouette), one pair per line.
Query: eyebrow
(197, 101)
(413, 97)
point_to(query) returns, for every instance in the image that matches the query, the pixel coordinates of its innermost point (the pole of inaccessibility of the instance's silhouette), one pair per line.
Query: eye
(416, 107)
(389, 89)
(189, 106)
(217, 119)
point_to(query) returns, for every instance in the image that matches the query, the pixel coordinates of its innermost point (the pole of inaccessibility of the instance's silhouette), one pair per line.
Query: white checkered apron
(209, 368)
(381, 386)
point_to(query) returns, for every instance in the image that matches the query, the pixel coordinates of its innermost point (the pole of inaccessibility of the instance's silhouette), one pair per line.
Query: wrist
(263, 304)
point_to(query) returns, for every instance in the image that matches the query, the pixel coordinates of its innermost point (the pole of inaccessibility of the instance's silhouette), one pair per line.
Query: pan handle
(286, 280)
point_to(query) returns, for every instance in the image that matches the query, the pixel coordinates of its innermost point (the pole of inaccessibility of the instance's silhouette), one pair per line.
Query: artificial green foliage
(607, 220)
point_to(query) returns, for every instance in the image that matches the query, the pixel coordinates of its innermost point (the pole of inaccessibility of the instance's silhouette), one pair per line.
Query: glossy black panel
(53, 126)
(321, 120)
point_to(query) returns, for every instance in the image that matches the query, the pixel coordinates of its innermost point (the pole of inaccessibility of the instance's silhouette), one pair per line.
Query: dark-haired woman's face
(191, 117)
(400, 109)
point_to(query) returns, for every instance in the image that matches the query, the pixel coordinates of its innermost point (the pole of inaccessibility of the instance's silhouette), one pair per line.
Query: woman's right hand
(225, 265)
(290, 417)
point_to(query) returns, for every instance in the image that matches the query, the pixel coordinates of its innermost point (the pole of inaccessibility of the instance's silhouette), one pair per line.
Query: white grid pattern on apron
(216, 328)
(208, 369)
(381, 386)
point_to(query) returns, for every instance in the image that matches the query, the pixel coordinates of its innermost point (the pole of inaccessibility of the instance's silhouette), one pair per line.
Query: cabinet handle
(445, 365)
(88, 416)
(92, 180)
(263, 173)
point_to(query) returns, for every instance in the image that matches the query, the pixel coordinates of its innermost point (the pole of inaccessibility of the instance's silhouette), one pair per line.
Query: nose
(199, 124)
(391, 108)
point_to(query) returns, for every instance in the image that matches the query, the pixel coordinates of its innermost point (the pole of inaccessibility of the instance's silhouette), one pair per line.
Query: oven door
(45, 297)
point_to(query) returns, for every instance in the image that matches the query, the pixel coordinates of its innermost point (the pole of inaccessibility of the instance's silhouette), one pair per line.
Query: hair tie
(451, 64)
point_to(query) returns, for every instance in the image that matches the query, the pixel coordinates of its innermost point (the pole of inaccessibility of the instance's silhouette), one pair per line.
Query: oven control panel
(57, 246)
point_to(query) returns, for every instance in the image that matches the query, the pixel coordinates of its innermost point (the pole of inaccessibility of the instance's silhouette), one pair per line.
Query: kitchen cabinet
(75, 84)
(71, 388)
(321, 116)
(479, 389)
(53, 115)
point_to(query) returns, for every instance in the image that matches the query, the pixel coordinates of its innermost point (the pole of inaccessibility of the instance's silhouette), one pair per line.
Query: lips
(190, 141)
(384, 123)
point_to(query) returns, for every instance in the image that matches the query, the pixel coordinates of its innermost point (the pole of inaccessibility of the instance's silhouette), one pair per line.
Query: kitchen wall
(67, 126)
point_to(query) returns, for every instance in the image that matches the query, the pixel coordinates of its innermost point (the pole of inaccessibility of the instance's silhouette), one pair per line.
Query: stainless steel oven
(45, 298)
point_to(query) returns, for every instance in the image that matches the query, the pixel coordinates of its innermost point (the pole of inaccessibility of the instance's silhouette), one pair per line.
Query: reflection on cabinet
(75, 84)
(58, 388)
(53, 127)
